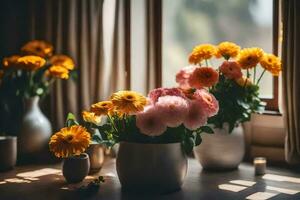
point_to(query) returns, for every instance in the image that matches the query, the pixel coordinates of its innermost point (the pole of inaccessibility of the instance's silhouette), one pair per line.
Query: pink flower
(159, 92)
(173, 110)
(231, 70)
(207, 101)
(149, 122)
(196, 116)
(182, 77)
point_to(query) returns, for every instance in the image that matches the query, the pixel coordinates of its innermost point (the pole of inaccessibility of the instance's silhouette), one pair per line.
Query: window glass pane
(187, 23)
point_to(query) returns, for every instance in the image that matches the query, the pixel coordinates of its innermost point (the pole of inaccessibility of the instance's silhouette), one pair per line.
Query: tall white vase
(221, 150)
(35, 128)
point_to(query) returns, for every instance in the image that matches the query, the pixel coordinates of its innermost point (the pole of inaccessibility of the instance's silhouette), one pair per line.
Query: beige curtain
(291, 74)
(75, 28)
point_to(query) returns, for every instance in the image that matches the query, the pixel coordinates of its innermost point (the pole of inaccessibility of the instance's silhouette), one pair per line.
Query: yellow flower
(91, 117)
(128, 102)
(250, 57)
(271, 63)
(228, 50)
(58, 72)
(243, 81)
(38, 48)
(102, 108)
(70, 141)
(31, 62)
(10, 61)
(202, 52)
(62, 60)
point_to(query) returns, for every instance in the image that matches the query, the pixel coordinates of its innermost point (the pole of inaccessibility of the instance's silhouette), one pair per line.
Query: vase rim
(141, 143)
(82, 156)
(8, 137)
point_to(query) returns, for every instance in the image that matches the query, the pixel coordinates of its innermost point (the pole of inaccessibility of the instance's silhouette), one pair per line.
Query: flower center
(129, 97)
(69, 138)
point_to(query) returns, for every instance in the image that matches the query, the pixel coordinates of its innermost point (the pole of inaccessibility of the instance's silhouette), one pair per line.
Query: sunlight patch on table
(261, 196)
(243, 182)
(232, 188)
(274, 177)
(39, 173)
(282, 190)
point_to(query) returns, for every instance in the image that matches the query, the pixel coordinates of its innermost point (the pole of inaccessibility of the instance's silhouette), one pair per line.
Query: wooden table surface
(45, 182)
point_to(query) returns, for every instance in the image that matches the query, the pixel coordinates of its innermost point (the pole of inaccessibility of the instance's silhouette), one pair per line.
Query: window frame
(272, 103)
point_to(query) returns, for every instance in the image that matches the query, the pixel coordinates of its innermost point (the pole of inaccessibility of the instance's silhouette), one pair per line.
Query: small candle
(260, 164)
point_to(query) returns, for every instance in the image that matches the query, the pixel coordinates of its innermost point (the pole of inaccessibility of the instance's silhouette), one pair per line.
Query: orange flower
(203, 77)
(37, 48)
(250, 57)
(70, 141)
(102, 108)
(202, 52)
(62, 60)
(228, 50)
(11, 61)
(58, 72)
(231, 70)
(91, 117)
(271, 63)
(31, 62)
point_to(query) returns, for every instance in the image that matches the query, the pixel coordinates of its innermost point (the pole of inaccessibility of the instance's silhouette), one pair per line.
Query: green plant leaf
(207, 129)
(198, 139)
(71, 120)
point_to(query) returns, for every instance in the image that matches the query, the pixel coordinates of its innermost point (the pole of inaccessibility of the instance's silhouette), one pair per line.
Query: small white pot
(221, 150)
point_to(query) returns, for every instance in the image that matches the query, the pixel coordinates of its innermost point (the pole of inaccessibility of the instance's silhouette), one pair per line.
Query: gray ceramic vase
(155, 168)
(221, 150)
(76, 168)
(8, 152)
(96, 155)
(35, 128)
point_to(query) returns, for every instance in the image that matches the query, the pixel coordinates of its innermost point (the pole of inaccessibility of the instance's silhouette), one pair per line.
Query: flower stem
(206, 62)
(261, 76)
(254, 74)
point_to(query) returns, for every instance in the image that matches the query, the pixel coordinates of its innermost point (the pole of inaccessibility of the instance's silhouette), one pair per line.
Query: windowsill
(271, 112)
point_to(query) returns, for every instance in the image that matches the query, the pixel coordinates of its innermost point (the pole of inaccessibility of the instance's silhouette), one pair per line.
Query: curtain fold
(75, 28)
(290, 75)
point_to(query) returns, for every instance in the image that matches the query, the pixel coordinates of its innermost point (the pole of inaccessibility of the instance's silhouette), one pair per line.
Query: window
(187, 23)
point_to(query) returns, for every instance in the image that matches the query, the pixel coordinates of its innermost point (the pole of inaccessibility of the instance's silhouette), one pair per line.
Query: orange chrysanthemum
(228, 50)
(271, 63)
(203, 77)
(243, 81)
(70, 141)
(63, 61)
(202, 52)
(91, 117)
(31, 63)
(58, 72)
(38, 48)
(128, 102)
(11, 61)
(250, 57)
(102, 108)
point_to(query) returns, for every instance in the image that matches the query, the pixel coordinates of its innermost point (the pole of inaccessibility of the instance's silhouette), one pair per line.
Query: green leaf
(198, 139)
(207, 129)
(71, 120)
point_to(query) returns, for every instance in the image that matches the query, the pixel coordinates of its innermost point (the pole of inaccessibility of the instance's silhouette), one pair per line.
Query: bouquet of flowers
(31, 73)
(167, 115)
(234, 83)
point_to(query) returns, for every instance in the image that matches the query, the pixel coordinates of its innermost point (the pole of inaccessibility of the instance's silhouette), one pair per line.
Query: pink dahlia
(231, 70)
(173, 110)
(149, 122)
(207, 101)
(182, 77)
(196, 116)
(159, 92)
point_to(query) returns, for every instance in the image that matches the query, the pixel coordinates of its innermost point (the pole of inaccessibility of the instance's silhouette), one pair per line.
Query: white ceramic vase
(35, 128)
(221, 150)
(155, 168)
